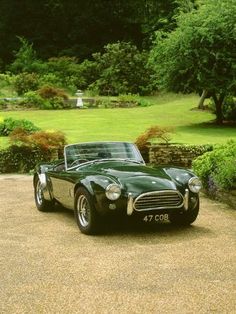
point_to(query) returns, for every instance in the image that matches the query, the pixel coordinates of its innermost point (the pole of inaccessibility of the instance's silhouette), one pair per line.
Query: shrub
(42, 139)
(132, 101)
(29, 149)
(101, 103)
(66, 71)
(122, 69)
(49, 92)
(25, 82)
(6, 79)
(143, 103)
(54, 98)
(225, 176)
(122, 101)
(55, 103)
(63, 66)
(33, 99)
(21, 159)
(217, 168)
(10, 124)
(46, 98)
(88, 74)
(49, 79)
(3, 104)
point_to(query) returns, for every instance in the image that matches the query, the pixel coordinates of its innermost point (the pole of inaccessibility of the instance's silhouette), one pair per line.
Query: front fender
(96, 186)
(41, 175)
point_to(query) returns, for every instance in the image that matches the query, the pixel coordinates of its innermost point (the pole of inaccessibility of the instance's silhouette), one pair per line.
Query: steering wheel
(78, 161)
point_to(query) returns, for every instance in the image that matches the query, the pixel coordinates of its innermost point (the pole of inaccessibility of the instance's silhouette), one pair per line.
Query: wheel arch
(86, 186)
(43, 199)
(36, 175)
(47, 191)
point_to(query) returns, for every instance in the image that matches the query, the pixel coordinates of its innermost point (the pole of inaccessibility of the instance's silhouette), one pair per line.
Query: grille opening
(158, 200)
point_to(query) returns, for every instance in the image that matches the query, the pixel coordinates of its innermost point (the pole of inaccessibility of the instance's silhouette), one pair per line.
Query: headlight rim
(195, 188)
(107, 191)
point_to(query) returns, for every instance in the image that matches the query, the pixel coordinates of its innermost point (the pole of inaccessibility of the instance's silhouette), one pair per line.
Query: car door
(62, 188)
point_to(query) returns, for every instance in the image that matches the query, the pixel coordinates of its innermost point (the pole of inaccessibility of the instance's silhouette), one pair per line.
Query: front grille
(158, 200)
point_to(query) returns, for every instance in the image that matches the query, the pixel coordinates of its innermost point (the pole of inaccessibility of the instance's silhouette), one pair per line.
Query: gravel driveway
(48, 266)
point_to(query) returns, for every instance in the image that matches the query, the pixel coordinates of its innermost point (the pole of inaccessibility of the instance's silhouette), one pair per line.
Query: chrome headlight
(113, 192)
(195, 184)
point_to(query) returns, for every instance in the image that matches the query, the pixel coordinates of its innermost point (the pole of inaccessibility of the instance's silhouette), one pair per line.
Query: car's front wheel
(186, 217)
(86, 216)
(41, 204)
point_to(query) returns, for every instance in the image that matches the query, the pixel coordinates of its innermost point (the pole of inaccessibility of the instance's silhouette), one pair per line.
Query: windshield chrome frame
(138, 155)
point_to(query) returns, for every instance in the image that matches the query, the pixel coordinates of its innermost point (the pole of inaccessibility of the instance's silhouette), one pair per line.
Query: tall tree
(66, 26)
(81, 27)
(200, 53)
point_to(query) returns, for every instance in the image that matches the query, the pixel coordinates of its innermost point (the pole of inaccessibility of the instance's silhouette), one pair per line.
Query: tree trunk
(218, 104)
(201, 101)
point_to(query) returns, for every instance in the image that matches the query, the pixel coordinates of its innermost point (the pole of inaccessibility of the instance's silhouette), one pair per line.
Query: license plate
(156, 218)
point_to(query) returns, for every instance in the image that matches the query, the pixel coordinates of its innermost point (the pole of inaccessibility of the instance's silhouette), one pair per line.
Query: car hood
(135, 177)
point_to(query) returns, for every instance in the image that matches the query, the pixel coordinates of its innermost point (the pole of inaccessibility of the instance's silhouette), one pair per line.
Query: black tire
(186, 217)
(41, 204)
(86, 215)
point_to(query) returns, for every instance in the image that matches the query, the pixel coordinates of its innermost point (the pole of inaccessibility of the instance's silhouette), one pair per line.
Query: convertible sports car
(101, 179)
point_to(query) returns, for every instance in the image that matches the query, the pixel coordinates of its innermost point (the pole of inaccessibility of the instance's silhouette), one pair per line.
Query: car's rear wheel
(186, 217)
(86, 216)
(41, 204)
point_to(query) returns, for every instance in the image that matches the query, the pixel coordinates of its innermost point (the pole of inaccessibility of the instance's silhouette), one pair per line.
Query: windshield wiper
(117, 159)
(133, 160)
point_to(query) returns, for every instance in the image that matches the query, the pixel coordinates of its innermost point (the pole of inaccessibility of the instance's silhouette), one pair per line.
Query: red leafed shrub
(27, 150)
(47, 141)
(48, 92)
(152, 133)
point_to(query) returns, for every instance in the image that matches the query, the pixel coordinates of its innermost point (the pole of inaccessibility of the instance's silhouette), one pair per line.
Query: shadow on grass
(209, 125)
(210, 132)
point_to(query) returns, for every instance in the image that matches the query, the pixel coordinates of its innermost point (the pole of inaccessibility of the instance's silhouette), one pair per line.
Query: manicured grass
(125, 124)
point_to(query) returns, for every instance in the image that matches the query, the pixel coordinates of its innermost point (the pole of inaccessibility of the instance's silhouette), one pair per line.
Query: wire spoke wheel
(39, 193)
(86, 215)
(83, 211)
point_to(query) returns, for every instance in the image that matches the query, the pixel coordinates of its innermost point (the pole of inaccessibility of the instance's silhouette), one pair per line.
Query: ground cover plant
(126, 124)
(8, 125)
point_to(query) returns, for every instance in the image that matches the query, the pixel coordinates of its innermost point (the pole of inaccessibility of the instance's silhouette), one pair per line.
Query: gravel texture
(48, 266)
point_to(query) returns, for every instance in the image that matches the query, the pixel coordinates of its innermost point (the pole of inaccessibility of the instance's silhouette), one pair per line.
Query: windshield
(77, 154)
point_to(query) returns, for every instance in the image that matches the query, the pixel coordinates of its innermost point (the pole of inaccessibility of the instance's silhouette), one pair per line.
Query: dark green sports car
(102, 179)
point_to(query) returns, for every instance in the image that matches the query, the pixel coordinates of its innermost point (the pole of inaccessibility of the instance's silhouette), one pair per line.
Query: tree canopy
(200, 53)
(80, 28)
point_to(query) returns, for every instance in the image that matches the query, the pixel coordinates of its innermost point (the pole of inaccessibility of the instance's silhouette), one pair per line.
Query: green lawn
(191, 126)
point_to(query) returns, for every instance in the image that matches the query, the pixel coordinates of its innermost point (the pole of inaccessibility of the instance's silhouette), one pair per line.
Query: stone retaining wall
(175, 154)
